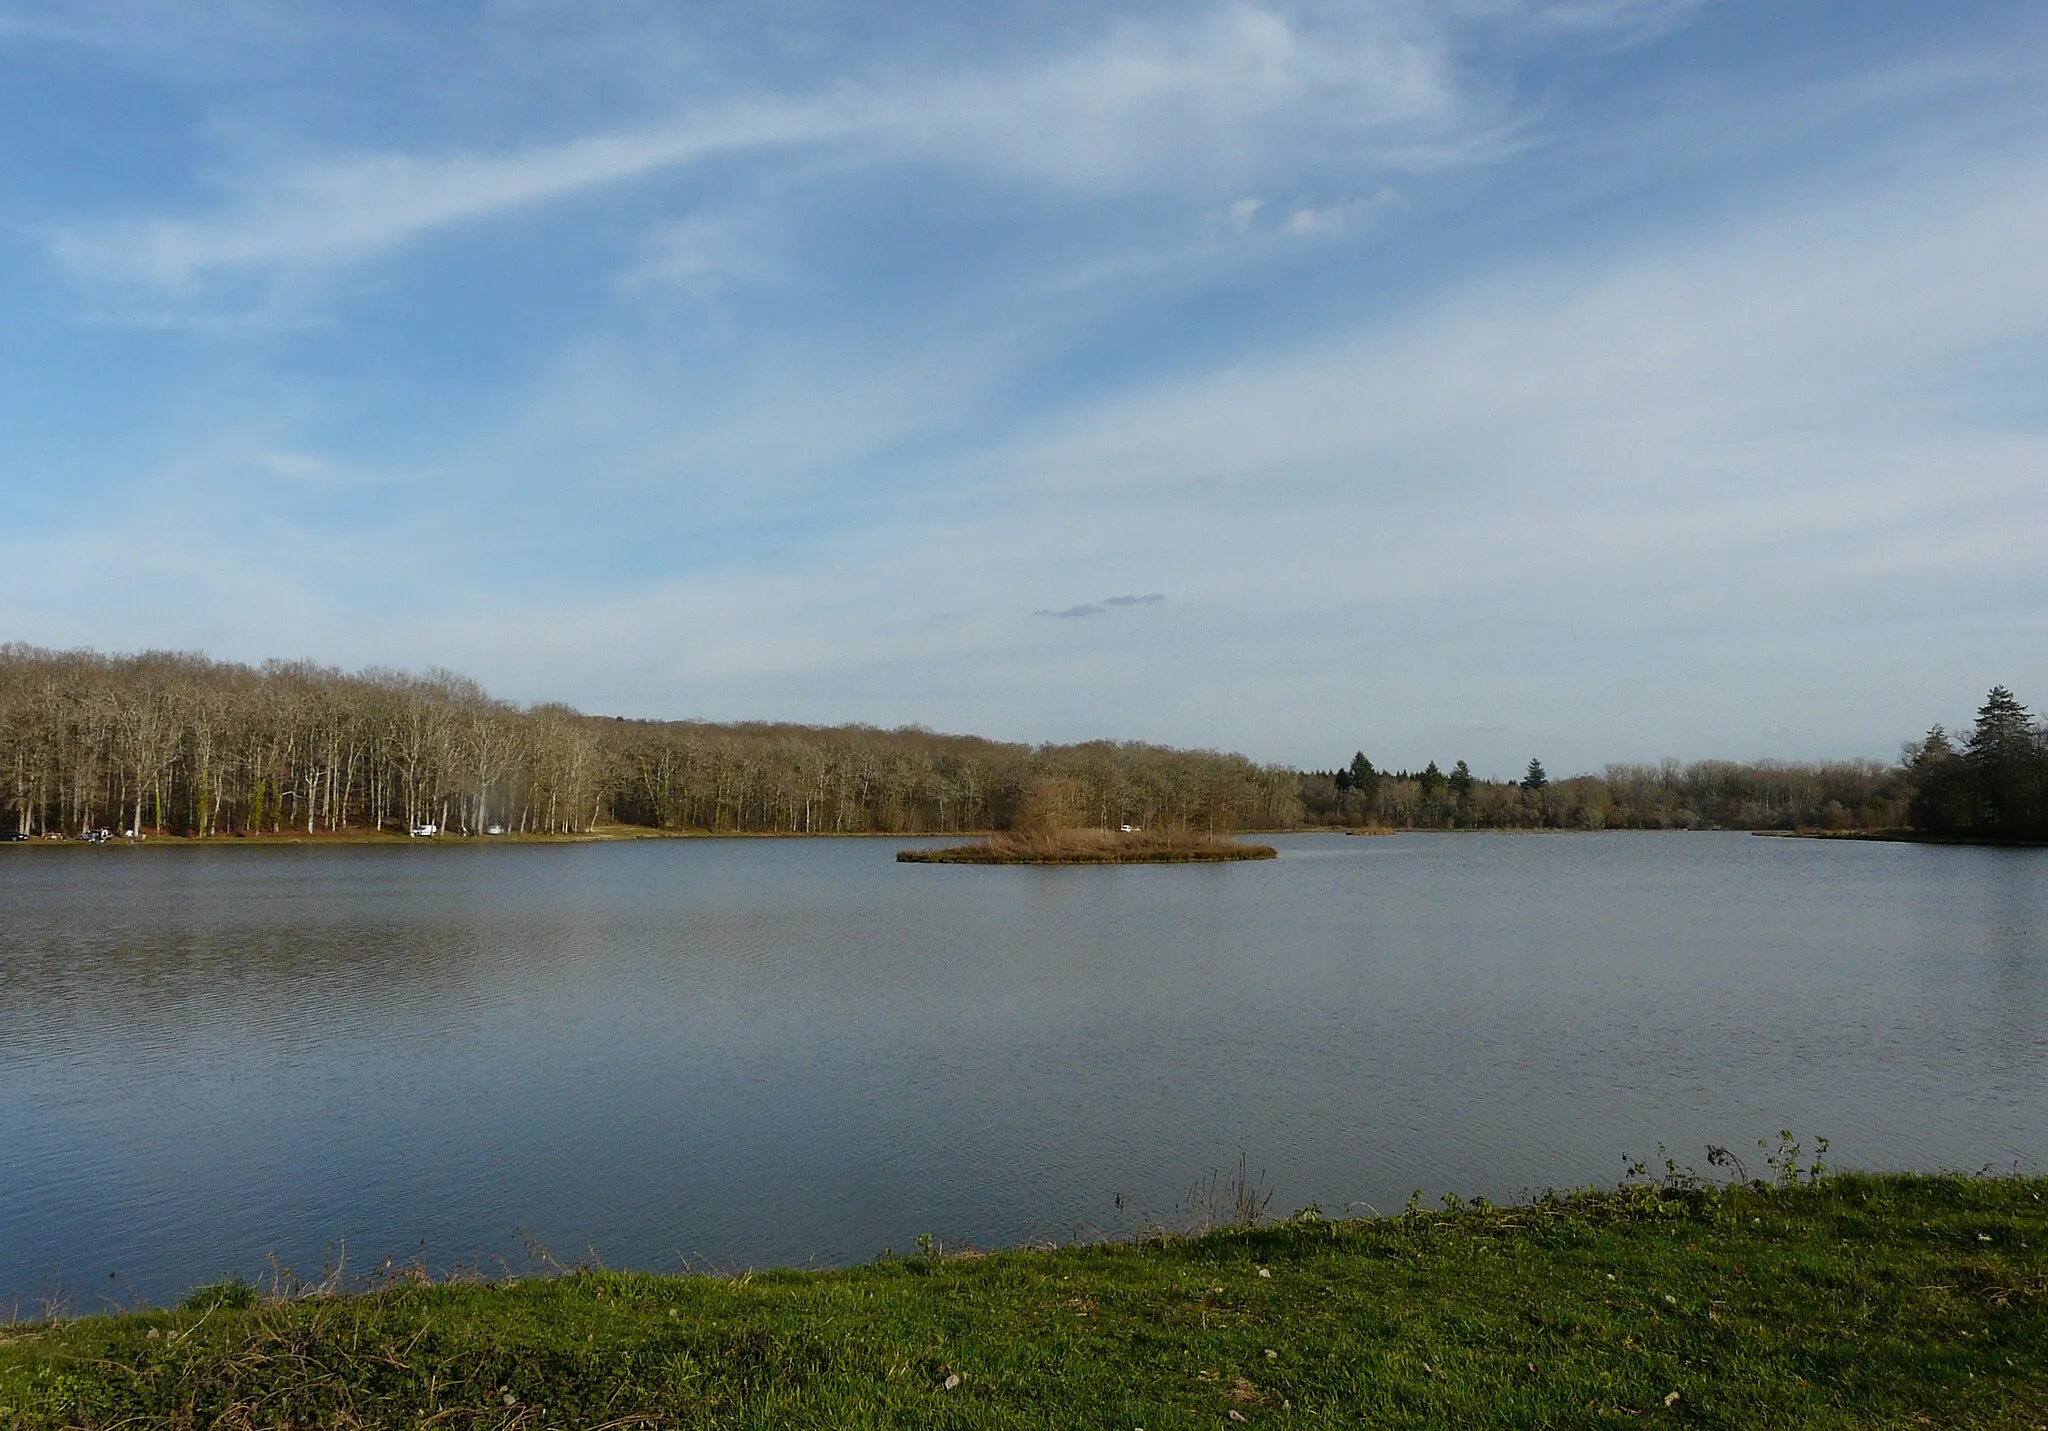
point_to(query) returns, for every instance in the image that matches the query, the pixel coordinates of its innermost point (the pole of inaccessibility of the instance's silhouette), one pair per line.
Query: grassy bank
(1092, 847)
(1857, 1301)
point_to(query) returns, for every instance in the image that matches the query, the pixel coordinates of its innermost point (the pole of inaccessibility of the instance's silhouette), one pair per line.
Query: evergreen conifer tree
(2008, 765)
(2004, 729)
(1933, 748)
(1432, 782)
(1365, 780)
(1461, 782)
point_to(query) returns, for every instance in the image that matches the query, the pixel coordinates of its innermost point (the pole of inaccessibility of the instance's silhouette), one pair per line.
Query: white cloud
(1677, 488)
(1668, 454)
(1338, 218)
(1696, 493)
(1203, 96)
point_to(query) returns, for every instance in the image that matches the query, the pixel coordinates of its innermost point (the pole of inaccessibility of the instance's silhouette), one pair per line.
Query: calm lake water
(757, 1052)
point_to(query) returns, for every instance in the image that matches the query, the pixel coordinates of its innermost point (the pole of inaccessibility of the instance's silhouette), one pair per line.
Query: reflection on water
(750, 1052)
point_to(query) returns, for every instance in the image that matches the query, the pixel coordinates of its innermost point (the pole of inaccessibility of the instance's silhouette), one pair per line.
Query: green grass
(1857, 1301)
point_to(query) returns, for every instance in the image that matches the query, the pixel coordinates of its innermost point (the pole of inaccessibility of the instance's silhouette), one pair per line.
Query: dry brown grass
(1093, 847)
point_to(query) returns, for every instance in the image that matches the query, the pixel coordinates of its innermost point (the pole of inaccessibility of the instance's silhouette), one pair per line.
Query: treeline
(1994, 788)
(1705, 794)
(179, 744)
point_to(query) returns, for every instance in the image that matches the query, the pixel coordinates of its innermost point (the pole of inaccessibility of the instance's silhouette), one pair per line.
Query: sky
(1590, 379)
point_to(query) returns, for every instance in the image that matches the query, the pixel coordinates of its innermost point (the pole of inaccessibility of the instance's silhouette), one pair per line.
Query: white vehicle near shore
(425, 831)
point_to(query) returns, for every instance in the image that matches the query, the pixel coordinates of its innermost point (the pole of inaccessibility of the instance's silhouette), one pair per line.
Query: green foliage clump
(230, 1294)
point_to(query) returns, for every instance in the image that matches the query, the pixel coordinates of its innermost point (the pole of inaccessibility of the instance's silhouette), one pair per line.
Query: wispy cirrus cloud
(1157, 102)
(1632, 21)
(332, 212)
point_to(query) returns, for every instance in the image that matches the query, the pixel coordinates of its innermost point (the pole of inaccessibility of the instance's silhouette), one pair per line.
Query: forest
(168, 743)
(1702, 794)
(1993, 786)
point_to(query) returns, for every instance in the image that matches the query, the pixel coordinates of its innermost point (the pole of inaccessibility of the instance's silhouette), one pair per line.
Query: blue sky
(1601, 379)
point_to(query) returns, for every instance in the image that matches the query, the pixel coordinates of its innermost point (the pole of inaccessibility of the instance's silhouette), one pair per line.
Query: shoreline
(1903, 837)
(608, 834)
(624, 834)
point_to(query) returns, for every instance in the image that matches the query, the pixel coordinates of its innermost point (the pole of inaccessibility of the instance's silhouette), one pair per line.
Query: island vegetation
(1805, 1301)
(176, 745)
(1093, 847)
(1049, 830)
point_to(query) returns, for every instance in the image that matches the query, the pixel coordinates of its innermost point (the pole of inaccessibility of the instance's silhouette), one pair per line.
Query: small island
(1055, 825)
(1092, 847)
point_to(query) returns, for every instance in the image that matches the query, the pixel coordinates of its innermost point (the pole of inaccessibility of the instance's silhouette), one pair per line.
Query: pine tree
(1944, 798)
(2008, 761)
(1461, 782)
(1432, 782)
(1365, 780)
(1535, 779)
(1932, 749)
(2004, 729)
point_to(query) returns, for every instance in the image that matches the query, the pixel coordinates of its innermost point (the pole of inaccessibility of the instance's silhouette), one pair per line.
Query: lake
(735, 1053)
